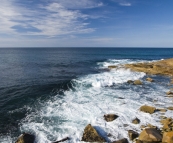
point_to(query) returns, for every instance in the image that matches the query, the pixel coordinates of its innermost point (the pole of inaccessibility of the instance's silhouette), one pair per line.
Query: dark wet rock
(132, 134)
(110, 117)
(65, 139)
(147, 109)
(137, 82)
(136, 121)
(167, 137)
(130, 81)
(91, 135)
(149, 79)
(150, 135)
(26, 138)
(112, 67)
(121, 141)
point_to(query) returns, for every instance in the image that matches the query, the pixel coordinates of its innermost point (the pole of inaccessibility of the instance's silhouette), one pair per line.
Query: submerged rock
(149, 79)
(167, 137)
(121, 141)
(132, 134)
(150, 135)
(137, 82)
(136, 121)
(147, 109)
(26, 138)
(91, 135)
(110, 117)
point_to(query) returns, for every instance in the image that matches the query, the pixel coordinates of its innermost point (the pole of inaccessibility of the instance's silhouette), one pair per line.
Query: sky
(86, 23)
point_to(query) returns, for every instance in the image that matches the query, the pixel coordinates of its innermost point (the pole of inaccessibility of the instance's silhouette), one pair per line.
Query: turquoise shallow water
(39, 85)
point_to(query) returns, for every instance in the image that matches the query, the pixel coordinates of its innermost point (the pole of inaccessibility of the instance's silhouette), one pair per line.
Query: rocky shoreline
(149, 133)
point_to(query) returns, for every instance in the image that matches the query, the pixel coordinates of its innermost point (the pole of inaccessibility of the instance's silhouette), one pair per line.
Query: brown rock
(138, 141)
(137, 82)
(136, 121)
(162, 67)
(112, 67)
(167, 137)
(147, 109)
(170, 108)
(149, 79)
(26, 138)
(150, 135)
(110, 117)
(132, 134)
(91, 135)
(169, 93)
(121, 141)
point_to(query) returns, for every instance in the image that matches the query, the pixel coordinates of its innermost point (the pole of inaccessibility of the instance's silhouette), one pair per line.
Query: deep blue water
(31, 74)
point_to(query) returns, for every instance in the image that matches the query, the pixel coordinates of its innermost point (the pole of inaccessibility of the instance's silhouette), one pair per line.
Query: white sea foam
(93, 96)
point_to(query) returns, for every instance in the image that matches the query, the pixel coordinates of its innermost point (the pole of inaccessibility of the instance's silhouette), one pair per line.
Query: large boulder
(150, 135)
(26, 138)
(121, 141)
(147, 109)
(167, 137)
(132, 134)
(91, 135)
(110, 117)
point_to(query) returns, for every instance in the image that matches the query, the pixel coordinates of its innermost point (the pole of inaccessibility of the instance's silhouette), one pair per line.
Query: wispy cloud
(54, 18)
(123, 2)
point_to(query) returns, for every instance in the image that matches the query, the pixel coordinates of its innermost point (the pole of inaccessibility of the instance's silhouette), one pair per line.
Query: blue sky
(86, 23)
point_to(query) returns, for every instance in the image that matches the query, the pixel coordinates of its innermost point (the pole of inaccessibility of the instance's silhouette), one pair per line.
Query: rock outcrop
(26, 138)
(150, 135)
(91, 135)
(110, 117)
(162, 67)
(147, 109)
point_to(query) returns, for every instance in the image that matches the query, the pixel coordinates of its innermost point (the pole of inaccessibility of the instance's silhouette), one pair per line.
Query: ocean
(54, 93)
